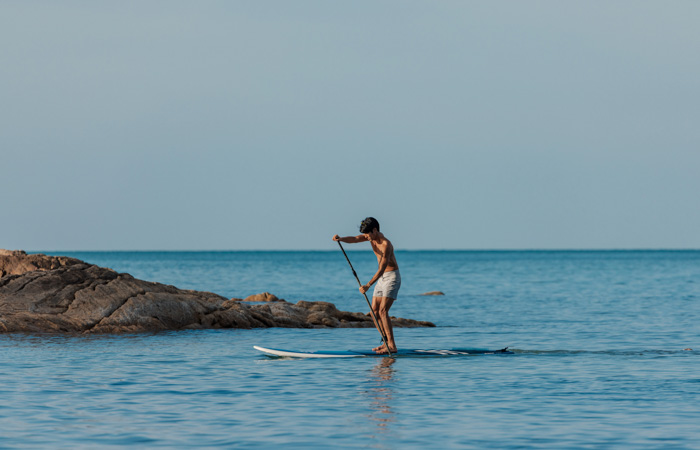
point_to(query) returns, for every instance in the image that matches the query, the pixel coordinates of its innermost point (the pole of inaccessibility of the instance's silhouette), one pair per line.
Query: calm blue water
(599, 362)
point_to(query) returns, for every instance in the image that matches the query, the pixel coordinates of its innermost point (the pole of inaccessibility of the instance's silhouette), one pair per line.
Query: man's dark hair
(369, 224)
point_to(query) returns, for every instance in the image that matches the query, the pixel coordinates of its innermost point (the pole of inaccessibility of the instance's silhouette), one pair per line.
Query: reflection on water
(381, 394)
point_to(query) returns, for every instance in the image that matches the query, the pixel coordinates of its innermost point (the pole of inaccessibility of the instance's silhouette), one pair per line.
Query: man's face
(372, 235)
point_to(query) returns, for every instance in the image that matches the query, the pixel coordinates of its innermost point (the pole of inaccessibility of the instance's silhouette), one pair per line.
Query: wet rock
(40, 293)
(434, 293)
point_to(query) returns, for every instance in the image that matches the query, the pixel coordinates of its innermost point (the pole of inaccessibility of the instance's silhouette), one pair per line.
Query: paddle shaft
(371, 313)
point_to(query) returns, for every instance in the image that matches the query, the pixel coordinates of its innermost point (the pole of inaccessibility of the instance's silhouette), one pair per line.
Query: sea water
(601, 358)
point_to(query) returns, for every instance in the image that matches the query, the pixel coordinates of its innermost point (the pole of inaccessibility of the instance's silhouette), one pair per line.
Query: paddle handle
(371, 313)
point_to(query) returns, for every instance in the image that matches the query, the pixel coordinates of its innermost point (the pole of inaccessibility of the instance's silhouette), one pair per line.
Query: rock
(17, 262)
(264, 297)
(40, 293)
(434, 293)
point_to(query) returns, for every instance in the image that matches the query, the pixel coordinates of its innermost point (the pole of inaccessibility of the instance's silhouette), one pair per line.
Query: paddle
(371, 313)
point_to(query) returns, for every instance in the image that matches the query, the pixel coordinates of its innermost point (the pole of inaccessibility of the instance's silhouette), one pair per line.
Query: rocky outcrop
(17, 262)
(41, 293)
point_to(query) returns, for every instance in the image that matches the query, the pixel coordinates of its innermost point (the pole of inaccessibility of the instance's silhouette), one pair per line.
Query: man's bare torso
(383, 248)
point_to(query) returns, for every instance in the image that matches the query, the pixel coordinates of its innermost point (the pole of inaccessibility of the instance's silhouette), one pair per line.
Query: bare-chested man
(388, 277)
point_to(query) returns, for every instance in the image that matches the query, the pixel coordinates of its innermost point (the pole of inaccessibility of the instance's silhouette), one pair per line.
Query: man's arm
(351, 239)
(382, 267)
(383, 264)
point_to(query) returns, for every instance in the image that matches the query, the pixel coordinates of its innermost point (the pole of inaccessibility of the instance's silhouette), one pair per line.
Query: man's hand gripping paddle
(371, 313)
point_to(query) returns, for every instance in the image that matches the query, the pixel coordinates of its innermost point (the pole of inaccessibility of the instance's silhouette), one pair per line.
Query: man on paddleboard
(388, 278)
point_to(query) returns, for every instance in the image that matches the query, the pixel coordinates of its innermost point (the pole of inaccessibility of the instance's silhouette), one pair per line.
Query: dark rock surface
(40, 293)
(434, 293)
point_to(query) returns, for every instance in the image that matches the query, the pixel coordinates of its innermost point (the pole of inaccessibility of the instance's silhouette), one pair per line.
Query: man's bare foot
(381, 350)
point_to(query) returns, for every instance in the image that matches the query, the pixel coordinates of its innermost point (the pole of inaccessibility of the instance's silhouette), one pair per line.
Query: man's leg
(380, 307)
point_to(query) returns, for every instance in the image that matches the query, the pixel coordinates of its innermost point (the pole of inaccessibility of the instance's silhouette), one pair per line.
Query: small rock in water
(434, 293)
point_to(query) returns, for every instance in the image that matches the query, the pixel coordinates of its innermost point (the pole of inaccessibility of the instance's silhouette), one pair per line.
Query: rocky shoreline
(40, 293)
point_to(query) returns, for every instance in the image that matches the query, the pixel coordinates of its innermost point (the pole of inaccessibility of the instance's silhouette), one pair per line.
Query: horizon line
(610, 249)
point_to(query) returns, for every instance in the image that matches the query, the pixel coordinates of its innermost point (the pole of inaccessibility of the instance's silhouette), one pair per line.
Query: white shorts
(388, 285)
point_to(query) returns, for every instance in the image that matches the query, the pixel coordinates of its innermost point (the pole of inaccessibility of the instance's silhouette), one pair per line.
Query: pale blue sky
(276, 124)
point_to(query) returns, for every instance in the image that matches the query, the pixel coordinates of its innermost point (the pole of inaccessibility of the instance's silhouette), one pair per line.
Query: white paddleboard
(361, 353)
